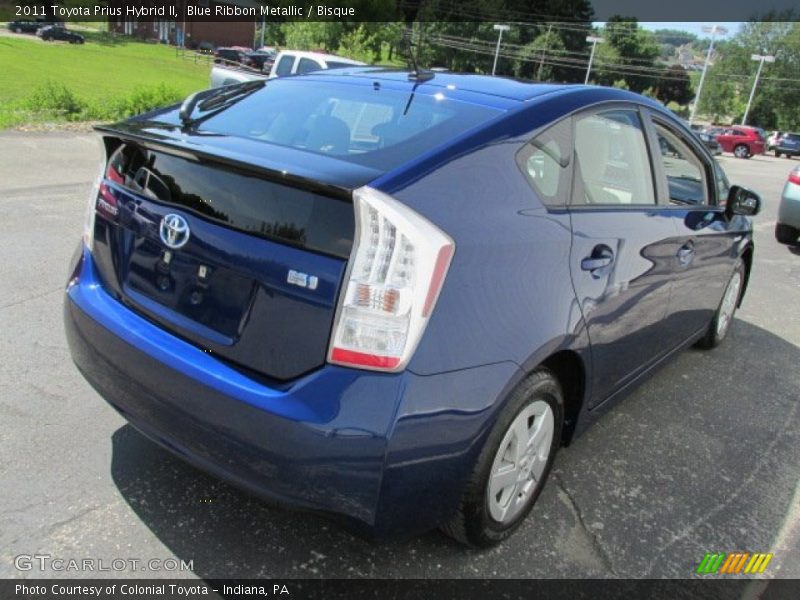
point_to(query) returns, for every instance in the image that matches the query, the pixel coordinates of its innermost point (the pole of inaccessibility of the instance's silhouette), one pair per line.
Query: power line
(571, 63)
(567, 57)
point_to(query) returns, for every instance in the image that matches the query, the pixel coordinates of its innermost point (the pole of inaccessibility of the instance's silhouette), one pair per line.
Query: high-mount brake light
(397, 268)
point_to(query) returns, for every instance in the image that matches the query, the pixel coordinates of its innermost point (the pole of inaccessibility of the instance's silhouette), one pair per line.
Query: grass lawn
(99, 73)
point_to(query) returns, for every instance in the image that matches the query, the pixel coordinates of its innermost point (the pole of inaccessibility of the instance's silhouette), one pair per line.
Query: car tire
(786, 234)
(741, 151)
(777, 154)
(723, 319)
(16, 30)
(489, 514)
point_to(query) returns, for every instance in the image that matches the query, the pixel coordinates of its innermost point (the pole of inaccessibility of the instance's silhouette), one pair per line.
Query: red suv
(743, 141)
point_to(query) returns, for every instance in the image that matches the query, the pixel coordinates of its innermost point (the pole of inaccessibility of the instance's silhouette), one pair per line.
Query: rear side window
(545, 162)
(284, 66)
(368, 125)
(306, 65)
(611, 160)
(686, 174)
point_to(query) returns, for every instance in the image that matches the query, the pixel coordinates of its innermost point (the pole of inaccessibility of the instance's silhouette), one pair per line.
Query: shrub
(55, 99)
(144, 99)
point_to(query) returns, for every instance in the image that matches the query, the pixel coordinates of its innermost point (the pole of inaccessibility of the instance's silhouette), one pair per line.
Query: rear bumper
(369, 447)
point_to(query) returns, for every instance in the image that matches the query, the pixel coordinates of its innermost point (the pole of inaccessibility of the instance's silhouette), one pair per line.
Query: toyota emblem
(174, 231)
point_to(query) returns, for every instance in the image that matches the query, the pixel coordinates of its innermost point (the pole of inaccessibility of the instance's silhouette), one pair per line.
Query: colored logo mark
(734, 563)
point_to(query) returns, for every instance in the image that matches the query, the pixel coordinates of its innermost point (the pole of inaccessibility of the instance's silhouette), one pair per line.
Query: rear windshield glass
(371, 126)
(792, 136)
(237, 200)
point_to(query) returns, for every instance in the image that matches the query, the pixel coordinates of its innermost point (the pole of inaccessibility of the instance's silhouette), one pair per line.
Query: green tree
(674, 86)
(313, 35)
(637, 50)
(776, 104)
(536, 56)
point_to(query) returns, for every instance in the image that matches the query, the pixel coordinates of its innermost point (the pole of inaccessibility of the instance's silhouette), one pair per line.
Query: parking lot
(703, 457)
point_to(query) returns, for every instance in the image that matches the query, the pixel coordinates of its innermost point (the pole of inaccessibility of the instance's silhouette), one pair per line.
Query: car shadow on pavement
(710, 446)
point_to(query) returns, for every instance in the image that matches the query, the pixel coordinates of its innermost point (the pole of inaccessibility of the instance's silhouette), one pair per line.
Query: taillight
(88, 222)
(794, 177)
(397, 268)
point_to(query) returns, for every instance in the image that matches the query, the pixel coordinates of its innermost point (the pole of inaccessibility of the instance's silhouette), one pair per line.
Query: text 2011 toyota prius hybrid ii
(392, 296)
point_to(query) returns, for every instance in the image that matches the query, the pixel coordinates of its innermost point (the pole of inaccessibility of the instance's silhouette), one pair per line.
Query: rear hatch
(242, 260)
(230, 221)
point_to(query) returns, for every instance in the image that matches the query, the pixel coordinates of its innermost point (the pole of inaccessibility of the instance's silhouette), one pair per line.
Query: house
(194, 32)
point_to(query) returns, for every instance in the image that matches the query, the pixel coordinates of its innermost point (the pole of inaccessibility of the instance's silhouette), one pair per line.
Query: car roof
(490, 89)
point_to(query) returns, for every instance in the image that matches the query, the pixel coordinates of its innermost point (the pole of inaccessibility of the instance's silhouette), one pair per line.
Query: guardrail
(193, 55)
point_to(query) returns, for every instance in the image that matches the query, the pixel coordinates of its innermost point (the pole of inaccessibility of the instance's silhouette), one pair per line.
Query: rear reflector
(397, 268)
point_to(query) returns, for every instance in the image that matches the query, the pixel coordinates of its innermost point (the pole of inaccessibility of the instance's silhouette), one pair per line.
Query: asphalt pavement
(704, 457)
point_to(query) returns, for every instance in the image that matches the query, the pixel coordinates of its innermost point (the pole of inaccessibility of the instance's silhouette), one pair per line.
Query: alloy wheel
(520, 461)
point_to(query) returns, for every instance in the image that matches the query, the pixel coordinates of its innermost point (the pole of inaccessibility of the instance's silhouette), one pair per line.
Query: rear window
(371, 126)
(236, 199)
(792, 136)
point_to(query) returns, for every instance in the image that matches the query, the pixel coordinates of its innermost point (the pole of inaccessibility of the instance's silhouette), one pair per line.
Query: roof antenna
(418, 75)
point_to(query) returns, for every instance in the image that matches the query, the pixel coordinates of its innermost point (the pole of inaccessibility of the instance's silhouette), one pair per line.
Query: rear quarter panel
(508, 293)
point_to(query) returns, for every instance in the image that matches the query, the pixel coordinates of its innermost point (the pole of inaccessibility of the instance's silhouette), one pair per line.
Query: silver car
(787, 230)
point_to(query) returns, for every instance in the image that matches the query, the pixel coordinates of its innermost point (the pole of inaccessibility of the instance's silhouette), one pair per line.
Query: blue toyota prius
(392, 296)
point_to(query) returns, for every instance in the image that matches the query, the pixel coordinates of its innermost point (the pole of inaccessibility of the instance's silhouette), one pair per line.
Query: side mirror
(742, 201)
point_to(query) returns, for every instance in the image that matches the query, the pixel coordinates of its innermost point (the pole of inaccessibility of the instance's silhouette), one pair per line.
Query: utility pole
(541, 60)
(594, 40)
(501, 29)
(713, 30)
(761, 58)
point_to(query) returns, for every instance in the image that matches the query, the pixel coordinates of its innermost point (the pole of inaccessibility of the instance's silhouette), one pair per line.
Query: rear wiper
(216, 99)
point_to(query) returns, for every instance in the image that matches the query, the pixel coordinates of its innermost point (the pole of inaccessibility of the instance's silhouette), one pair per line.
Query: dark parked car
(710, 142)
(61, 34)
(393, 296)
(261, 60)
(788, 145)
(231, 55)
(23, 26)
(742, 141)
(30, 26)
(714, 130)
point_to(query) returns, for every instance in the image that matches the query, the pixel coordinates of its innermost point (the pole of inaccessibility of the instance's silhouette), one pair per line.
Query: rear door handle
(602, 256)
(592, 264)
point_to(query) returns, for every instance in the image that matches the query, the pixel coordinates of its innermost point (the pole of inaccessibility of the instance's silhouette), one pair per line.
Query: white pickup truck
(288, 62)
